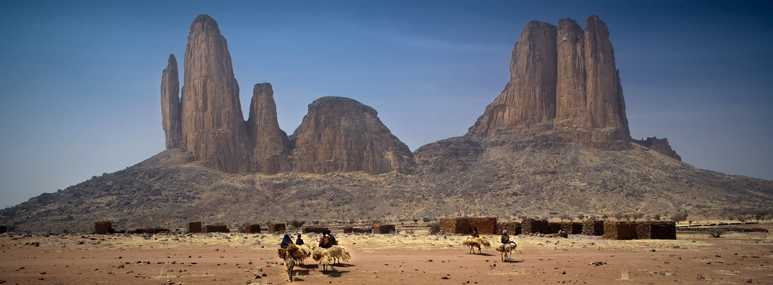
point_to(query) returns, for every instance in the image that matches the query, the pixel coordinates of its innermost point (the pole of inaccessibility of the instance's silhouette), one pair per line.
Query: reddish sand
(736, 258)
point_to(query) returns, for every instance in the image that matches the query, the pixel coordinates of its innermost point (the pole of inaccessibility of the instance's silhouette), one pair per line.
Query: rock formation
(660, 145)
(530, 96)
(561, 79)
(170, 104)
(272, 146)
(571, 113)
(213, 127)
(605, 105)
(342, 135)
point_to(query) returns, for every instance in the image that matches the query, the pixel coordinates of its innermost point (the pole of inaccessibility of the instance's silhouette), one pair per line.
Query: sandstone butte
(561, 79)
(341, 134)
(338, 134)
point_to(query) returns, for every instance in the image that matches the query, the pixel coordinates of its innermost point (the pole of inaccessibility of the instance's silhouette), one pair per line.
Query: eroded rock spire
(213, 127)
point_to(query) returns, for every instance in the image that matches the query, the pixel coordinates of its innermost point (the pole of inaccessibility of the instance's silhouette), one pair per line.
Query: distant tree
(759, 215)
(415, 220)
(619, 216)
(426, 220)
(296, 224)
(581, 217)
(657, 217)
(604, 217)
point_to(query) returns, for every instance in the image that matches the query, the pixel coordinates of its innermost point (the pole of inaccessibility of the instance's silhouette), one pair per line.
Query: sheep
(289, 255)
(476, 242)
(506, 250)
(322, 256)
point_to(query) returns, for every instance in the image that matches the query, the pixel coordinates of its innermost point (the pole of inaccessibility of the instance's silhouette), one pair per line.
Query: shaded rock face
(660, 145)
(272, 146)
(562, 79)
(529, 98)
(342, 135)
(170, 104)
(213, 127)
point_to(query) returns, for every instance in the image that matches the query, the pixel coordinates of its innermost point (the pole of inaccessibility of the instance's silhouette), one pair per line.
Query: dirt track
(394, 259)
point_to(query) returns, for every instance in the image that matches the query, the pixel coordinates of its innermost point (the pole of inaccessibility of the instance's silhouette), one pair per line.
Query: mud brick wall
(276, 228)
(103, 228)
(384, 229)
(593, 228)
(532, 226)
(434, 228)
(574, 228)
(485, 225)
(193, 227)
(252, 229)
(553, 228)
(455, 226)
(216, 229)
(619, 230)
(318, 230)
(513, 228)
(656, 230)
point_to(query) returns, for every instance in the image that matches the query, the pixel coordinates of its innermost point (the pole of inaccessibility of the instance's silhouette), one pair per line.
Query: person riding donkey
(506, 238)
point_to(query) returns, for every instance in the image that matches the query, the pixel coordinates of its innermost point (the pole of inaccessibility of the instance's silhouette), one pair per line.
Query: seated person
(286, 241)
(299, 241)
(475, 232)
(331, 238)
(324, 242)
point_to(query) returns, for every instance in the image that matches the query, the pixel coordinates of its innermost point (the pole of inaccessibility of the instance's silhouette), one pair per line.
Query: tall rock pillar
(571, 112)
(170, 104)
(272, 146)
(213, 127)
(529, 98)
(605, 96)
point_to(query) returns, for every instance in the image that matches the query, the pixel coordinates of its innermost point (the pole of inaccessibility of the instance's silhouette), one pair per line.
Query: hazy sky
(80, 82)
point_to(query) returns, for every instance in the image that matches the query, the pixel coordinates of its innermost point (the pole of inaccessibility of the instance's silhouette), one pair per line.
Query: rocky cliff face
(170, 104)
(272, 146)
(213, 127)
(343, 135)
(571, 113)
(561, 79)
(602, 83)
(660, 145)
(530, 96)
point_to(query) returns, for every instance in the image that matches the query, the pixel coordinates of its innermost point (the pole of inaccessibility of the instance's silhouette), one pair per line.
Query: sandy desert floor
(694, 258)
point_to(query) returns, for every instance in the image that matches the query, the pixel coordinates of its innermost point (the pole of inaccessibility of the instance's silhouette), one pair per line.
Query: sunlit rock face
(213, 127)
(529, 98)
(272, 147)
(562, 79)
(342, 135)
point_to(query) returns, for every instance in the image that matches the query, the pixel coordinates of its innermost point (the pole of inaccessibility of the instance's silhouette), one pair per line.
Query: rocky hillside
(554, 142)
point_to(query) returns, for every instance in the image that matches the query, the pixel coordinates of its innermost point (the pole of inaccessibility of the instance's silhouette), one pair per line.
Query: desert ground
(404, 258)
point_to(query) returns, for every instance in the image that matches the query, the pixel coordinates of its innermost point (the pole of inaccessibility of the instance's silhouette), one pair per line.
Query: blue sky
(81, 80)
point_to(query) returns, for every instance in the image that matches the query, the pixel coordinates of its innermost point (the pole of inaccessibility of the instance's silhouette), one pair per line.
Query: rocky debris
(342, 135)
(659, 145)
(529, 98)
(272, 147)
(213, 127)
(170, 104)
